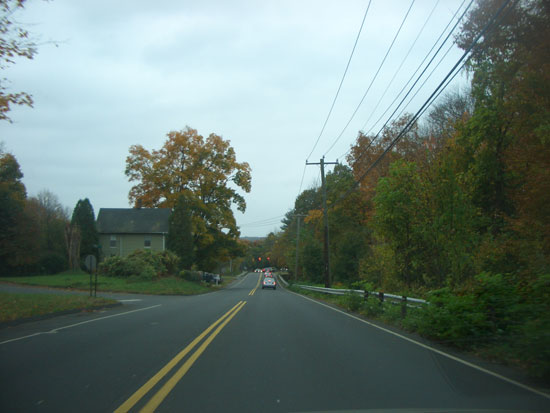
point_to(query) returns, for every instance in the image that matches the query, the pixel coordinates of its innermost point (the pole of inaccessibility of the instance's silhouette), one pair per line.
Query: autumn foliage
(459, 210)
(206, 174)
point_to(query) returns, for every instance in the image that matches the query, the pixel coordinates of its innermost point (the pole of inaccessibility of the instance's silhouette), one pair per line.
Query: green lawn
(81, 281)
(16, 306)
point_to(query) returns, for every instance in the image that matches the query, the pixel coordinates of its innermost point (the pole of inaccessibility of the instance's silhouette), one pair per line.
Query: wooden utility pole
(298, 216)
(325, 218)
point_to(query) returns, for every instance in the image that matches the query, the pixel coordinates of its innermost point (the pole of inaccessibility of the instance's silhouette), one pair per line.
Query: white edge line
(55, 330)
(459, 360)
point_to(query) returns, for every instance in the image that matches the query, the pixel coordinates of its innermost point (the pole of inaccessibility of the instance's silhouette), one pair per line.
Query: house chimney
(138, 203)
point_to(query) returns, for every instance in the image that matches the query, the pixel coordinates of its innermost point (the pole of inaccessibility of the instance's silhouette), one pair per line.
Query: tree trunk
(72, 243)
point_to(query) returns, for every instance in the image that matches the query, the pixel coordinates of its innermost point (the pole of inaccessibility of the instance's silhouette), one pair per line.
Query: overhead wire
(402, 63)
(418, 78)
(373, 79)
(337, 94)
(342, 80)
(429, 101)
(264, 222)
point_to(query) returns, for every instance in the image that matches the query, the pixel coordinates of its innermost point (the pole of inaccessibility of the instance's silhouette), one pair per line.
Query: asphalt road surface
(242, 349)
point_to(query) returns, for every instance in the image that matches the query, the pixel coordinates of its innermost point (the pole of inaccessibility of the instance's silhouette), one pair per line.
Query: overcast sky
(262, 74)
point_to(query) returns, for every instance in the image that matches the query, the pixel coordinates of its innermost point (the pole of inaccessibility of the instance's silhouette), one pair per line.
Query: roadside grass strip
(167, 387)
(17, 306)
(81, 281)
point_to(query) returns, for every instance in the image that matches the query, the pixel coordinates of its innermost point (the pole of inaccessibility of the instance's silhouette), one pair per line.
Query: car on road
(269, 282)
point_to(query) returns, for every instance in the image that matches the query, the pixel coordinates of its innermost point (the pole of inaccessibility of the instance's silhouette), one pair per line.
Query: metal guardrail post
(404, 307)
(381, 297)
(366, 295)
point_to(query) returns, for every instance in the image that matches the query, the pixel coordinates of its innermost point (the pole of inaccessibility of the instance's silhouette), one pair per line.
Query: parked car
(212, 278)
(269, 282)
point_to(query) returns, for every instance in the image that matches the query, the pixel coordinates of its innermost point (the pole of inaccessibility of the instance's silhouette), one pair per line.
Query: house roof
(133, 220)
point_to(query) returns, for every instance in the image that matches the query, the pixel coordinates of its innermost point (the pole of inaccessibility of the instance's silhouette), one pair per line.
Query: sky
(262, 74)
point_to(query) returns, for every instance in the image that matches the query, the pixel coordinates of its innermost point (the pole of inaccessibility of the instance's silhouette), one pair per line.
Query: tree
(14, 42)
(511, 85)
(206, 172)
(19, 230)
(180, 235)
(50, 218)
(397, 216)
(12, 204)
(84, 218)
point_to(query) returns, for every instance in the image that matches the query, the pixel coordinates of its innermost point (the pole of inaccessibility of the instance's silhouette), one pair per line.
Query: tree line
(38, 235)
(463, 192)
(458, 211)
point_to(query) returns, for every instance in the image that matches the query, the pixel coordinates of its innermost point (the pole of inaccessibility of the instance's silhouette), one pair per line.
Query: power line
(419, 76)
(341, 81)
(373, 79)
(402, 63)
(428, 102)
(264, 222)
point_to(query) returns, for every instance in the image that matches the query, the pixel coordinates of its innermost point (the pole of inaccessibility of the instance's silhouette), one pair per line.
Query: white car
(269, 282)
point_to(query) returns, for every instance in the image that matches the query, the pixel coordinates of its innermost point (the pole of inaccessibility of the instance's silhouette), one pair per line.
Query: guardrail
(394, 299)
(282, 280)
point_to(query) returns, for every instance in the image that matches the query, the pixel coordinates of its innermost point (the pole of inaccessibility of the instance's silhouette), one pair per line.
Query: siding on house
(124, 230)
(127, 243)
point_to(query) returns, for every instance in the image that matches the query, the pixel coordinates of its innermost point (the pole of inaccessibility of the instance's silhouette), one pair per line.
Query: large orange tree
(203, 171)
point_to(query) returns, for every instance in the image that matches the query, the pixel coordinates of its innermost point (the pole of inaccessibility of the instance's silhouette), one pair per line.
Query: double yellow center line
(161, 394)
(257, 285)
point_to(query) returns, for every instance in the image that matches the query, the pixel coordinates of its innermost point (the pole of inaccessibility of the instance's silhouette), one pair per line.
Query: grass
(81, 281)
(16, 306)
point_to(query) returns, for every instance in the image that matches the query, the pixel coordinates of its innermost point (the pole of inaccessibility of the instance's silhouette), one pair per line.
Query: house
(124, 230)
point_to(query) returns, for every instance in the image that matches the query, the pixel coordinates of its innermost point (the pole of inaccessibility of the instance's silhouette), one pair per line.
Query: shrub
(53, 263)
(140, 264)
(352, 301)
(190, 275)
(112, 267)
(153, 259)
(454, 319)
(372, 307)
(170, 261)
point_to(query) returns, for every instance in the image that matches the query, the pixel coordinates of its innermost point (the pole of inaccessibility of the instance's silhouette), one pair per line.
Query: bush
(372, 307)
(53, 263)
(146, 257)
(532, 341)
(352, 301)
(454, 319)
(140, 264)
(170, 261)
(112, 267)
(190, 275)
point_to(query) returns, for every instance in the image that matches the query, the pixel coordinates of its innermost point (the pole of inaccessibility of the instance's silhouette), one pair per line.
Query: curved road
(241, 349)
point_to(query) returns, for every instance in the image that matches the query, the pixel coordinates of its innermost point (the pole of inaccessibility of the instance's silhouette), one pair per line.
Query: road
(241, 349)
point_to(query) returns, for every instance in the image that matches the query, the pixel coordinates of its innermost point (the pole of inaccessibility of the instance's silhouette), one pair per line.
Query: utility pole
(325, 218)
(298, 216)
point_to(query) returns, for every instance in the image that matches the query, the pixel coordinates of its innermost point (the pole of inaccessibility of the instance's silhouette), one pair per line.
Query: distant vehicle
(269, 282)
(269, 274)
(258, 270)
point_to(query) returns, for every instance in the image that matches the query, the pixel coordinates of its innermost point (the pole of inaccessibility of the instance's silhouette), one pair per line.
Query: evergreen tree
(84, 218)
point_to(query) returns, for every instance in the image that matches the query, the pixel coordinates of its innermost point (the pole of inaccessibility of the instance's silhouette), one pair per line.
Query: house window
(147, 242)
(112, 241)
